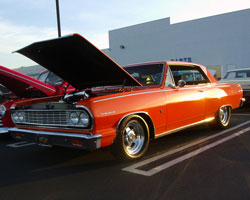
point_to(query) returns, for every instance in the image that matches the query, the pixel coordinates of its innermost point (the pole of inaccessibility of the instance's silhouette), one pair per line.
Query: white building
(221, 40)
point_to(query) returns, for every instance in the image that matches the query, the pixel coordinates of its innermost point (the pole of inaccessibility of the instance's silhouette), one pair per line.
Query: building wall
(217, 40)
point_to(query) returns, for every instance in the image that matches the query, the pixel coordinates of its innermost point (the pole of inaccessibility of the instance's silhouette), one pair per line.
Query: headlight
(20, 116)
(2, 110)
(84, 119)
(15, 117)
(74, 118)
(79, 118)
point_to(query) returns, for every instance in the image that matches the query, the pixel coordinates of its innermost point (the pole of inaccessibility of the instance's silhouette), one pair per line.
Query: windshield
(50, 78)
(237, 74)
(53, 79)
(146, 74)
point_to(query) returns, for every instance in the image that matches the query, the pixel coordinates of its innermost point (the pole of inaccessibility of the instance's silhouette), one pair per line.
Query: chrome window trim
(169, 72)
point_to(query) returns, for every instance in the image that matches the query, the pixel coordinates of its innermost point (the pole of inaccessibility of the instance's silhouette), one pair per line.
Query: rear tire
(222, 118)
(132, 138)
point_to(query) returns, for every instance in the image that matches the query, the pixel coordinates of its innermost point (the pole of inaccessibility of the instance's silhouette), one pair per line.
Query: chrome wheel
(222, 118)
(134, 137)
(224, 115)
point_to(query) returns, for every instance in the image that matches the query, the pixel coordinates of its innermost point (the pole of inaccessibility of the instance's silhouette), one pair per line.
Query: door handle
(200, 90)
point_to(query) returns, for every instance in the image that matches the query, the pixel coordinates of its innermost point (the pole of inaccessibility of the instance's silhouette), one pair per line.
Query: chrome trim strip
(28, 80)
(110, 98)
(126, 96)
(184, 127)
(60, 134)
(139, 112)
(4, 130)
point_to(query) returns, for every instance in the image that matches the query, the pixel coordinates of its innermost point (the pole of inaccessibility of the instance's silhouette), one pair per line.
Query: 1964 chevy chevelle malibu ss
(124, 107)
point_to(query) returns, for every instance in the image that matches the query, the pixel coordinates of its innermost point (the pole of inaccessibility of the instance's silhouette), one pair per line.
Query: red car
(123, 107)
(24, 87)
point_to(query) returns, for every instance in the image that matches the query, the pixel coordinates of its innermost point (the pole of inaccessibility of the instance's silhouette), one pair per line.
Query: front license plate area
(43, 139)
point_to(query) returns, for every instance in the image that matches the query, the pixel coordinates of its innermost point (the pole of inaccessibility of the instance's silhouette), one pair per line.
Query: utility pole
(58, 18)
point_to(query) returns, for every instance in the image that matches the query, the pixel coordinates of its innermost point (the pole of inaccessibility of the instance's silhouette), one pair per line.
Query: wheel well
(150, 124)
(147, 119)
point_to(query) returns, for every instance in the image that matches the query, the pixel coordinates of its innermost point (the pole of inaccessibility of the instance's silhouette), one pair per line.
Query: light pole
(58, 18)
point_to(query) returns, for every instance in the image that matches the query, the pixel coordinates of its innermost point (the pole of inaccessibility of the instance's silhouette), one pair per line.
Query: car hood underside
(78, 62)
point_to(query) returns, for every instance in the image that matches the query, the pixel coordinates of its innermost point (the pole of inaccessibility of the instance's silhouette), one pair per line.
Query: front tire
(132, 138)
(222, 118)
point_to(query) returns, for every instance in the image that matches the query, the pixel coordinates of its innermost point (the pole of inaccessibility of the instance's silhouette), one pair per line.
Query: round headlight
(74, 118)
(84, 119)
(2, 110)
(15, 117)
(20, 116)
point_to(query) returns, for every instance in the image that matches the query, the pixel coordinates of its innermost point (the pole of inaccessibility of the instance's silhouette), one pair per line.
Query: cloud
(194, 9)
(14, 37)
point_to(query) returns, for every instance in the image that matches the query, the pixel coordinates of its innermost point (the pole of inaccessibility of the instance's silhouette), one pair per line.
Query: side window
(193, 75)
(53, 79)
(241, 75)
(42, 77)
(169, 78)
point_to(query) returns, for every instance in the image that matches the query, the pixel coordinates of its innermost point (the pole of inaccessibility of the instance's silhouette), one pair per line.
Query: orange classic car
(122, 107)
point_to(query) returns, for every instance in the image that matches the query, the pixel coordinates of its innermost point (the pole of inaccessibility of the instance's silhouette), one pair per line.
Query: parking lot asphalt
(197, 163)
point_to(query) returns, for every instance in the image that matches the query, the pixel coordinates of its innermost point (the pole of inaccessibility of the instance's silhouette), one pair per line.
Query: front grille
(1, 122)
(57, 118)
(48, 117)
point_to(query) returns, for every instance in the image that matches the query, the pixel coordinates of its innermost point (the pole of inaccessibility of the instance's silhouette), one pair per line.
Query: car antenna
(123, 85)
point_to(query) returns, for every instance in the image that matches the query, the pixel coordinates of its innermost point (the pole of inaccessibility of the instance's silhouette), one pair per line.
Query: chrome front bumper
(242, 101)
(4, 130)
(89, 142)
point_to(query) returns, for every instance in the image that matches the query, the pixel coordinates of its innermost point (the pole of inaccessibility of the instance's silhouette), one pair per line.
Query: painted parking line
(238, 114)
(134, 168)
(20, 144)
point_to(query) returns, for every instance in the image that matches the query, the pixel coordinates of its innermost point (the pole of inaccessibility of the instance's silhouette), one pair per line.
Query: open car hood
(77, 61)
(19, 83)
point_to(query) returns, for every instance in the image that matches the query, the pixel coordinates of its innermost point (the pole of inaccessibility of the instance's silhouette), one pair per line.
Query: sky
(23, 22)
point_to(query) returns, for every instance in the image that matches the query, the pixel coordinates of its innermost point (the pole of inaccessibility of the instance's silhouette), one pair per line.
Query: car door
(184, 105)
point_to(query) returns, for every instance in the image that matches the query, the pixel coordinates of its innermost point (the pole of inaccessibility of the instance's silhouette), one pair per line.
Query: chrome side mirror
(181, 83)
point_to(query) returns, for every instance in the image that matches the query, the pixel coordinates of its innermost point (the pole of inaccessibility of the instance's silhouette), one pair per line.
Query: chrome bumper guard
(89, 142)
(4, 130)
(242, 101)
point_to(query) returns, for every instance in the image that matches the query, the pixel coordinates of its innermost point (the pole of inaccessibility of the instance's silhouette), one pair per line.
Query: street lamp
(58, 18)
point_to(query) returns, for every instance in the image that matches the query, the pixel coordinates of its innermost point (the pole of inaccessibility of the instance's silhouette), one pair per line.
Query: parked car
(123, 107)
(22, 87)
(239, 76)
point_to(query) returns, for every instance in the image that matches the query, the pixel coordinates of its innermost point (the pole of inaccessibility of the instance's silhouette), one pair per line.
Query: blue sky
(25, 21)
